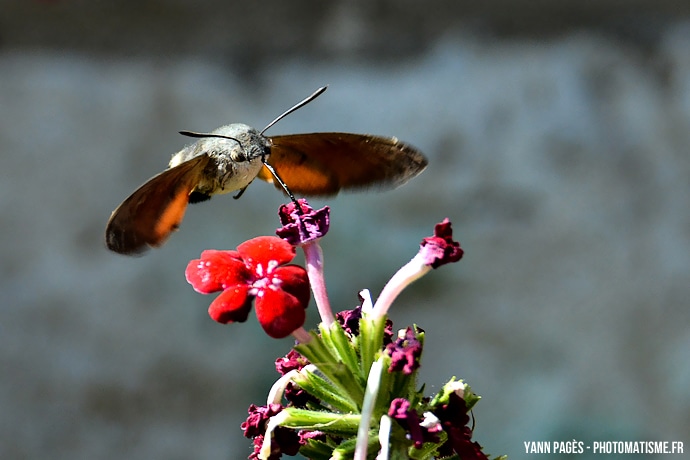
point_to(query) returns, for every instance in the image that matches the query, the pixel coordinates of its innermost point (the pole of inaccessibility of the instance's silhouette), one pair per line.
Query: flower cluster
(348, 389)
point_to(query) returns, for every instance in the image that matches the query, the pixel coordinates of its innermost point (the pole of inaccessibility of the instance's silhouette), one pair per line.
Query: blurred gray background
(558, 136)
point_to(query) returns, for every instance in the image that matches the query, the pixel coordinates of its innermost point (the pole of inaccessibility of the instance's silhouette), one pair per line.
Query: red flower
(256, 270)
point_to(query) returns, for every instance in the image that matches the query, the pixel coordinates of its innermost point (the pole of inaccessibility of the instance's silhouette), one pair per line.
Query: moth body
(234, 159)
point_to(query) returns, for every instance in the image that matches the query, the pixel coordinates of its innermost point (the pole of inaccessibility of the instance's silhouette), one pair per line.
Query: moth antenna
(304, 102)
(200, 135)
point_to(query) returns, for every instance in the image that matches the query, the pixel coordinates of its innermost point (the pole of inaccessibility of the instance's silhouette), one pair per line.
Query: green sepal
(325, 391)
(346, 449)
(332, 423)
(442, 396)
(428, 450)
(339, 342)
(320, 354)
(315, 350)
(316, 450)
(471, 398)
(371, 340)
(384, 395)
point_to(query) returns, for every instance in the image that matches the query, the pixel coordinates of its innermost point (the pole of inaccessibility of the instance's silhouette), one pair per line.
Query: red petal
(279, 312)
(262, 250)
(294, 280)
(232, 305)
(216, 270)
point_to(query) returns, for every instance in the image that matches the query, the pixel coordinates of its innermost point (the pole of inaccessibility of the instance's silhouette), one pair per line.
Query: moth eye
(238, 155)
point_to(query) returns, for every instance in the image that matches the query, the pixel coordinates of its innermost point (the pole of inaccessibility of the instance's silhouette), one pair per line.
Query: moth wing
(156, 209)
(321, 164)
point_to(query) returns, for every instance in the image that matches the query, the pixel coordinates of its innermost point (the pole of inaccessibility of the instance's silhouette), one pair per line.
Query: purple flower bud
(401, 411)
(293, 360)
(440, 249)
(405, 352)
(349, 320)
(454, 419)
(303, 225)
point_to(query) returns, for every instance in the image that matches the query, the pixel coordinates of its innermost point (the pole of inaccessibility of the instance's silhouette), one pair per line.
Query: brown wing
(323, 163)
(154, 210)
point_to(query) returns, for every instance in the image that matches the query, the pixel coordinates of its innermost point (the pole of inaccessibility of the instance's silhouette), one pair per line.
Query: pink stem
(314, 258)
(410, 272)
(301, 335)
